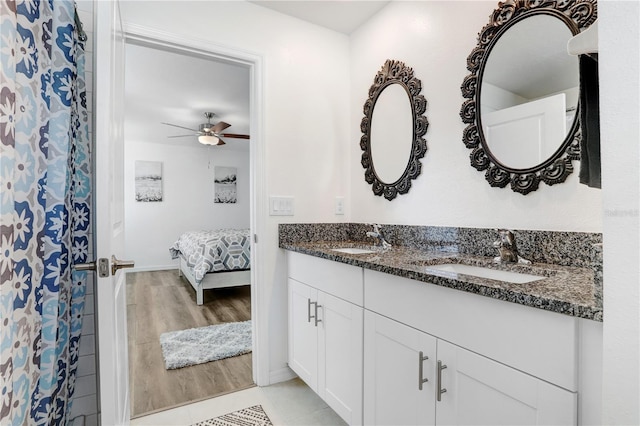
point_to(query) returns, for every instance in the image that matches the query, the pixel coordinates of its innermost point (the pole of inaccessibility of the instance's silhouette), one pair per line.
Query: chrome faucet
(377, 234)
(507, 248)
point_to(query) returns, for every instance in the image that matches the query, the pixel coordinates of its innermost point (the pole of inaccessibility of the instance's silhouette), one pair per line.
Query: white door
(394, 373)
(480, 391)
(527, 134)
(109, 214)
(340, 357)
(303, 332)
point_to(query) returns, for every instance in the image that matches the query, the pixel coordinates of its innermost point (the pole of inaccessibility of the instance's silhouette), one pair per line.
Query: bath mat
(199, 345)
(252, 416)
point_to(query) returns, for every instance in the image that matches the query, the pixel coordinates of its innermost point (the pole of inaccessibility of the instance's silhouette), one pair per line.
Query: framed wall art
(225, 188)
(148, 176)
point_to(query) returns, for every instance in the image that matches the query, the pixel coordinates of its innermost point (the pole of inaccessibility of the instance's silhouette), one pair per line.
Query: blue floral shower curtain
(44, 209)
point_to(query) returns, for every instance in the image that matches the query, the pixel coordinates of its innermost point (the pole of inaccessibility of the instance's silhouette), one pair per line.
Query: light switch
(280, 206)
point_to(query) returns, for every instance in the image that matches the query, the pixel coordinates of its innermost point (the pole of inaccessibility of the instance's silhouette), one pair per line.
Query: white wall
(495, 98)
(312, 133)
(619, 67)
(187, 205)
(435, 38)
(305, 114)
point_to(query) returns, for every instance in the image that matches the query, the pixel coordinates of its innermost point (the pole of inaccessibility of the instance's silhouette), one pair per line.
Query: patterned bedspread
(214, 251)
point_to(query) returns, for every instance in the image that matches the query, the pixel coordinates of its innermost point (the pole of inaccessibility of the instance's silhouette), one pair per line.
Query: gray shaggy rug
(199, 345)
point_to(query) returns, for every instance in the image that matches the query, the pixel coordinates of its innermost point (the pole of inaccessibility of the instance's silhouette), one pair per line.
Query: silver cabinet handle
(421, 359)
(316, 314)
(119, 264)
(440, 390)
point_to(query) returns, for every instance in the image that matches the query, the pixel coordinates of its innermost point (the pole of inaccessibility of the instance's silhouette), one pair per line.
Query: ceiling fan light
(208, 140)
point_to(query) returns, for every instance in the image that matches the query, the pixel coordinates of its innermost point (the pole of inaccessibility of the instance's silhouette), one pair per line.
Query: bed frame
(214, 279)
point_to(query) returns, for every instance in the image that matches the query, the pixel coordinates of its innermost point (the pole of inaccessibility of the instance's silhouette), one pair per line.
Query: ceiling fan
(209, 133)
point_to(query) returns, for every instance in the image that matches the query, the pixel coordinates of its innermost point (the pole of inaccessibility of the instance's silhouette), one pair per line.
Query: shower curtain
(44, 209)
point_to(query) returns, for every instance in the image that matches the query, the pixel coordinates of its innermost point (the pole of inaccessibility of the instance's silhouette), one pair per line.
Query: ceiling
(163, 86)
(531, 62)
(167, 86)
(343, 16)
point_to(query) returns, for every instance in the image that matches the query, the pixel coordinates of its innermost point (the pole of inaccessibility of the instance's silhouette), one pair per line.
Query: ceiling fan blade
(234, 135)
(182, 127)
(220, 141)
(220, 127)
(183, 136)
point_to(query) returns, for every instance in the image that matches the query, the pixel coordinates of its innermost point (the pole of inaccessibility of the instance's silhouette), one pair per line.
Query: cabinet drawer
(338, 279)
(540, 343)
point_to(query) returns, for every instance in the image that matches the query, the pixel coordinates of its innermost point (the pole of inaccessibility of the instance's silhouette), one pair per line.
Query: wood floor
(160, 301)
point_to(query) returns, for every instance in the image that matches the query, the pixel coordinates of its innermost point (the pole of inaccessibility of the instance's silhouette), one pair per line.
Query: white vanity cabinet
(413, 378)
(405, 318)
(386, 350)
(325, 331)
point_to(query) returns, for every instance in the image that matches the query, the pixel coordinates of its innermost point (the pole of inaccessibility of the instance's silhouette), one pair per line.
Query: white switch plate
(280, 206)
(339, 205)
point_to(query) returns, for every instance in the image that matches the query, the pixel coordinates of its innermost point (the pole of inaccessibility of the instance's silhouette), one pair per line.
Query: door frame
(153, 38)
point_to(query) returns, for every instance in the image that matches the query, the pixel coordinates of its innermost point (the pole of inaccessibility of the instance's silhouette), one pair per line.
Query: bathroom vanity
(383, 339)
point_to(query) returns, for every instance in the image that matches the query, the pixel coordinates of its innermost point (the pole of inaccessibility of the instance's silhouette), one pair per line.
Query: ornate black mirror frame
(395, 72)
(577, 15)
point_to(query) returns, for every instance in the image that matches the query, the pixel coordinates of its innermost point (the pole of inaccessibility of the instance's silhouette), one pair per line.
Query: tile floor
(287, 403)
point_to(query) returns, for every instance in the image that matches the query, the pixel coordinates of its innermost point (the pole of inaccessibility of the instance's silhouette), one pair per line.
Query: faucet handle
(376, 227)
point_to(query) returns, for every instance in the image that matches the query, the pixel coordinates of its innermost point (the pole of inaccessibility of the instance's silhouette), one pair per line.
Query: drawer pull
(421, 359)
(440, 390)
(316, 314)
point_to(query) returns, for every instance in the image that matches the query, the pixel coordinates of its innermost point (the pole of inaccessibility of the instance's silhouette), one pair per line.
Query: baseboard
(281, 375)
(153, 268)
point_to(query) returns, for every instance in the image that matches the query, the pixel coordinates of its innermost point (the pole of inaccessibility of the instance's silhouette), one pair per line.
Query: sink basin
(353, 250)
(479, 271)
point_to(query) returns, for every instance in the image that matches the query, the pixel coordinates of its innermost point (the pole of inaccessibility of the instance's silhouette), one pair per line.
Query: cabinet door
(303, 333)
(392, 372)
(340, 357)
(480, 391)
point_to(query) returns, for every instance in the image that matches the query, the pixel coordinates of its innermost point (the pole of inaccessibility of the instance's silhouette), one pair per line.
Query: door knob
(120, 264)
(89, 266)
(102, 266)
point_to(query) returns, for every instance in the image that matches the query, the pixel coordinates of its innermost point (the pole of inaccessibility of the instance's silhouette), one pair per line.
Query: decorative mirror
(522, 108)
(392, 130)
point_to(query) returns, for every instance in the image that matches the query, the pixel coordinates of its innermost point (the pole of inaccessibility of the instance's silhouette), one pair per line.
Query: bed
(214, 259)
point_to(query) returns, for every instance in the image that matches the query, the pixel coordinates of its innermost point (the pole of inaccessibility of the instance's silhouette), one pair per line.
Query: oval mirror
(391, 134)
(393, 128)
(529, 93)
(523, 91)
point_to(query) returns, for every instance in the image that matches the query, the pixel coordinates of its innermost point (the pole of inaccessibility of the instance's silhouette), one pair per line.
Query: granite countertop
(565, 289)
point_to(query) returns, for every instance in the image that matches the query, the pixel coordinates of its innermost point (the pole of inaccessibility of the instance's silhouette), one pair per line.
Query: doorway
(180, 82)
